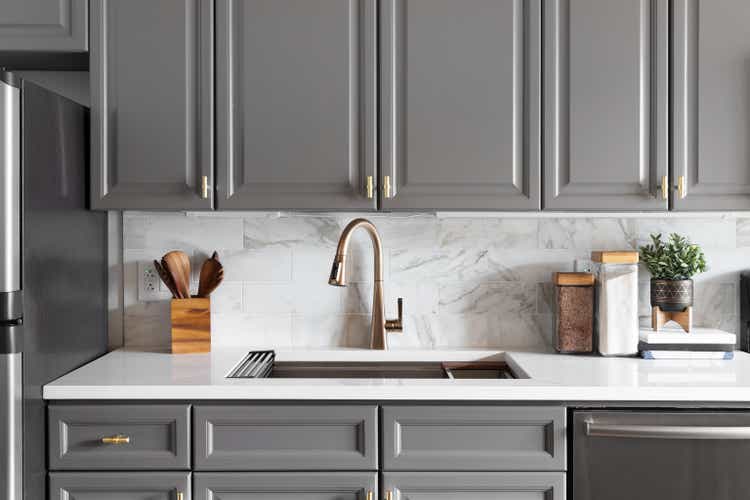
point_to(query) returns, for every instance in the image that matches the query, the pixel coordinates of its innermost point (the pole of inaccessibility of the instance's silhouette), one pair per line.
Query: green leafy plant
(673, 259)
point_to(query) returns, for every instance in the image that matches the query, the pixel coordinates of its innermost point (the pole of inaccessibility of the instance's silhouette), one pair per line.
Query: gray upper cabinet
(44, 25)
(475, 486)
(460, 104)
(152, 104)
(711, 104)
(296, 97)
(606, 104)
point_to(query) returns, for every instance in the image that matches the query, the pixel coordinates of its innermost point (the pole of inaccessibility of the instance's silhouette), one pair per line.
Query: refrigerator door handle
(10, 188)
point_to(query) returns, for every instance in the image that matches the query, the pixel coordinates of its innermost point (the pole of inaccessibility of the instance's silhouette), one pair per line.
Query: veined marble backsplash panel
(466, 281)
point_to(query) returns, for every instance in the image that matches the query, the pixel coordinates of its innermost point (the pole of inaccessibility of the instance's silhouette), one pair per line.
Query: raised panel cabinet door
(44, 25)
(474, 485)
(478, 438)
(152, 104)
(460, 104)
(279, 437)
(296, 97)
(286, 486)
(711, 104)
(606, 104)
(119, 486)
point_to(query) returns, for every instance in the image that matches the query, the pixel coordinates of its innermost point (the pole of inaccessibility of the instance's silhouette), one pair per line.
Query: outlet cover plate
(150, 286)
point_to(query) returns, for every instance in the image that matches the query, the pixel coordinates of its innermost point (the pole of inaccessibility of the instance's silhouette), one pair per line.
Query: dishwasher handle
(641, 431)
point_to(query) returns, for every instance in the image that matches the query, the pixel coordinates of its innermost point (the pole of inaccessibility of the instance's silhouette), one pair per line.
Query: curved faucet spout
(338, 278)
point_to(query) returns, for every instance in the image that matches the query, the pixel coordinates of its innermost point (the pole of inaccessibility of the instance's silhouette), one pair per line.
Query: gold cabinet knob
(386, 186)
(118, 439)
(204, 187)
(681, 187)
(664, 188)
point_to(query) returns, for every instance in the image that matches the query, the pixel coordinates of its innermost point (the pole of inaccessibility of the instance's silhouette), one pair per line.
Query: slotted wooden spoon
(212, 274)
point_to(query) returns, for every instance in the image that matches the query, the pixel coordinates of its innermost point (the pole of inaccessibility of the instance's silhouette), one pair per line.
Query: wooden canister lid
(615, 257)
(573, 279)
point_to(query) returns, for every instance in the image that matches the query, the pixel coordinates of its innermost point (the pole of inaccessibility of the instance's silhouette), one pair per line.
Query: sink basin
(262, 365)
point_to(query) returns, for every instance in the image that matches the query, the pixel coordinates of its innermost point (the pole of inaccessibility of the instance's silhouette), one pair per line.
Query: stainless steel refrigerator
(53, 268)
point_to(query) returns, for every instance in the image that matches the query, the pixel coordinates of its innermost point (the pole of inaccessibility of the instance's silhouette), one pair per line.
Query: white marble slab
(132, 374)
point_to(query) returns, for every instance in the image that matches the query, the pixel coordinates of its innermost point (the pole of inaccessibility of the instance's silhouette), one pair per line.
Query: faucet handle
(396, 325)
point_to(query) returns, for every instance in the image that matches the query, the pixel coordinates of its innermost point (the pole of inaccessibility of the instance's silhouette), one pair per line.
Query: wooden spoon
(178, 265)
(166, 278)
(212, 274)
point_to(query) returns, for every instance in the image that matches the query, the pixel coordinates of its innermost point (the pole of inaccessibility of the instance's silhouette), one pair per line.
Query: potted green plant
(672, 264)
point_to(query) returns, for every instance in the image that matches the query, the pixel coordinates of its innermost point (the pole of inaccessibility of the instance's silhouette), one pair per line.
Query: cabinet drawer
(119, 485)
(250, 438)
(153, 437)
(475, 485)
(285, 485)
(478, 438)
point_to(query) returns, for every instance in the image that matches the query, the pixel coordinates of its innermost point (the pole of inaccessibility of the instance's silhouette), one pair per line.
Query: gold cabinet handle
(664, 188)
(204, 187)
(388, 495)
(180, 495)
(387, 186)
(681, 187)
(370, 189)
(369, 495)
(118, 439)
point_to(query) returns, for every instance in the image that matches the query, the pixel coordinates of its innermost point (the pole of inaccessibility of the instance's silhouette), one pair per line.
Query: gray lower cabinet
(271, 437)
(44, 25)
(473, 438)
(286, 486)
(606, 104)
(475, 485)
(118, 437)
(711, 104)
(152, 104)
(296, 97)
(119, 486)
(460, 104)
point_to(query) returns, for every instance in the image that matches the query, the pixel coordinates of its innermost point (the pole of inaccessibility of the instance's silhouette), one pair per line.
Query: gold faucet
(380, 326)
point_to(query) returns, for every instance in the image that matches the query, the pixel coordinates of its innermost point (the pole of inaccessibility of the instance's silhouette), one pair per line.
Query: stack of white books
(674, 343)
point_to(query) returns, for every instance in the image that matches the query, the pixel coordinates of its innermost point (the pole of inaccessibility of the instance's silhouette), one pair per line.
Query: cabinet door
(295, 104)
(152, 104)
(460, 104)
(711, 111)
(44, 25)
(606, 104)
(475, 485)
(286, 486)
(119, 485)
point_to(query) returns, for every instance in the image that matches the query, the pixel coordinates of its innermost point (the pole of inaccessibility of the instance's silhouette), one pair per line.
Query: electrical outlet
(150, 286)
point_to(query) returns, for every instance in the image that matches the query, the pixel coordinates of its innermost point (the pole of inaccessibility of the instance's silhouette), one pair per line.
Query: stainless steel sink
(262, 365)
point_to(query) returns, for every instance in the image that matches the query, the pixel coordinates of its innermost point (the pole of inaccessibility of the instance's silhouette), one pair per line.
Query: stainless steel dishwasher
(661, 455)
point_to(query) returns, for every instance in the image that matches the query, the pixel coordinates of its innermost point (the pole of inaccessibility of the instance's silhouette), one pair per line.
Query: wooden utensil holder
(191, 325)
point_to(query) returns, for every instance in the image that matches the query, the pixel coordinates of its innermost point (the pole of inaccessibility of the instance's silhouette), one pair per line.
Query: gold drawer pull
(180, 495)
(369, 495)
(664, 188)
(387, 186)
(681, 187)
(204, 187)
(118, 439)
(389, 495)
(370, 187)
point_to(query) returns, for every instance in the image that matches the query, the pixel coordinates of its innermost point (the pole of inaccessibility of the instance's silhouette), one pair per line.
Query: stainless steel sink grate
(256, 364)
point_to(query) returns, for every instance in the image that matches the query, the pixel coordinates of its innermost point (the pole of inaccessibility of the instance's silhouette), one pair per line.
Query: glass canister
(574, 312)
(616, 302)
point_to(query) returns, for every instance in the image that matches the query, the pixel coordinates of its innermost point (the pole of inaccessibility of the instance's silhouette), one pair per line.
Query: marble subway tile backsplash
(466, 281)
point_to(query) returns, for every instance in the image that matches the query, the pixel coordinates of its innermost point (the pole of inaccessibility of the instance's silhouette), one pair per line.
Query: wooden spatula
(212, 274)
(177, 264)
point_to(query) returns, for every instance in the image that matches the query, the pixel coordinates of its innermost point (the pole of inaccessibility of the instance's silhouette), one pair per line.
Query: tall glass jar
(616, 302)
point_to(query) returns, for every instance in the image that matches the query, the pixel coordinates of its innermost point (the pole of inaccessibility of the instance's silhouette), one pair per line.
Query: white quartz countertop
(132, 374)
